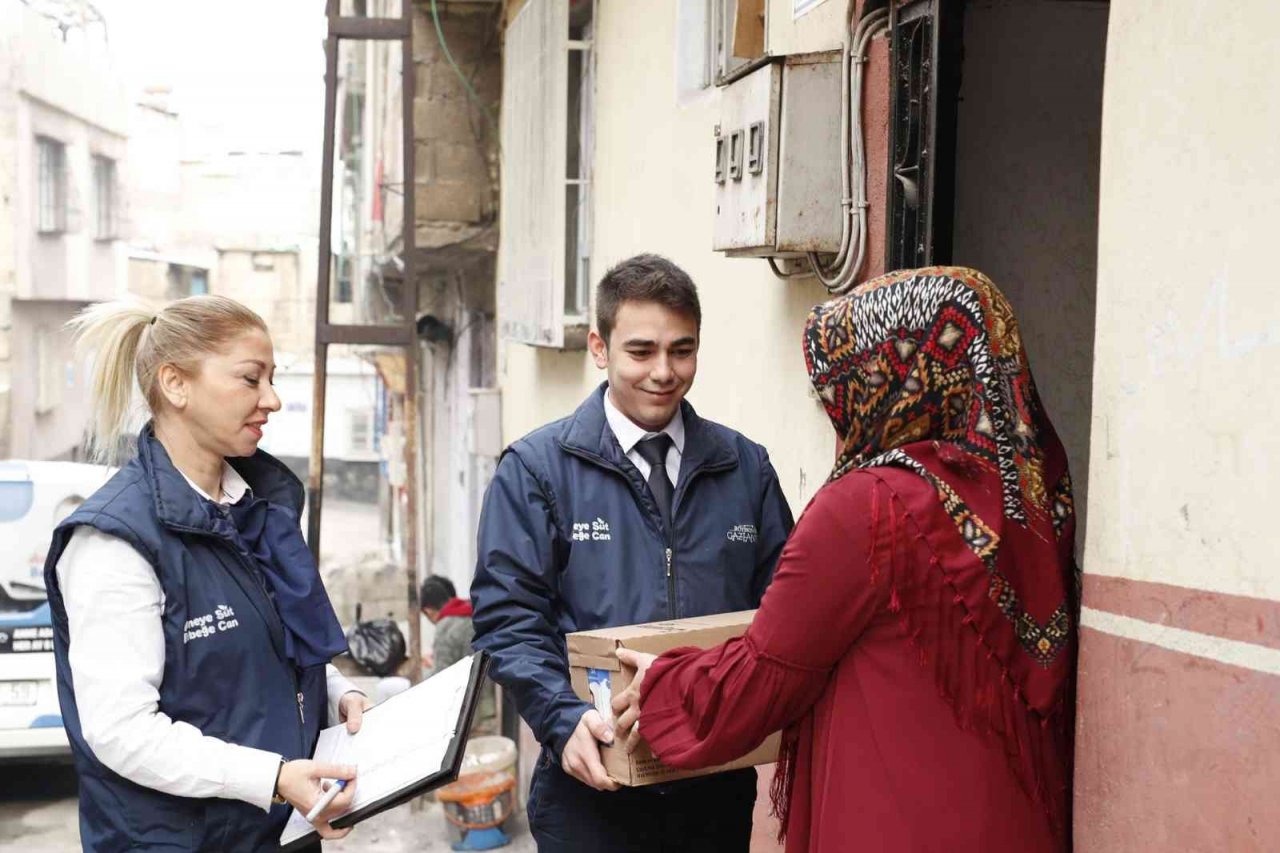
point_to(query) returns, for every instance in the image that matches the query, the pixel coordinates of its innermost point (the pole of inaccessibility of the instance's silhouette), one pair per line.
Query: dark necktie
(654, 451)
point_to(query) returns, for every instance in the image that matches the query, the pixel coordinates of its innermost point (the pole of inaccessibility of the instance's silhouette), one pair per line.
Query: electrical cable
(839, 275)
(803, 272)
(448, 55)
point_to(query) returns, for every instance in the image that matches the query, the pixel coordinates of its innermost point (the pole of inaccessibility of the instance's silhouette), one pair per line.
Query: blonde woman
(191, 628)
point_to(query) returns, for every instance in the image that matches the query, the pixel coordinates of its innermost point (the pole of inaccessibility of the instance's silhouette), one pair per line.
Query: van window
(16, 497)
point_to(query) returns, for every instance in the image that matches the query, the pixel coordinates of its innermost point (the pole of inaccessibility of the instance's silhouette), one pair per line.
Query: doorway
(1027, 145)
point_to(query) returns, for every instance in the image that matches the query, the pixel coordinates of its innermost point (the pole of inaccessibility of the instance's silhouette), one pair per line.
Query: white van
(34, 497)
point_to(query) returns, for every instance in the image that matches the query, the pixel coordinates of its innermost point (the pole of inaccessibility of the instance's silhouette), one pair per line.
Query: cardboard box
(592, 659)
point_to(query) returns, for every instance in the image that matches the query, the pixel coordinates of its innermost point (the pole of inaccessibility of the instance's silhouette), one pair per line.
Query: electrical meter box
(777, 172)
(747, 162)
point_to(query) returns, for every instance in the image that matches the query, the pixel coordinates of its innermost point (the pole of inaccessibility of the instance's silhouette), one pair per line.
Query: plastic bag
(377, 645)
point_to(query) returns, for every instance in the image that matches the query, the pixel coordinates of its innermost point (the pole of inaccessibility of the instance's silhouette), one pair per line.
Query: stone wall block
(447, 200)
(424, 161)
(425, 45)
(461, 162)
(443, 120)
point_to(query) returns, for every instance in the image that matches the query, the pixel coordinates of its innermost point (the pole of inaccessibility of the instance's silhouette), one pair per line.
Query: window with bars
(359, 431)
(104, 198)
(925, 56)
(51, 186)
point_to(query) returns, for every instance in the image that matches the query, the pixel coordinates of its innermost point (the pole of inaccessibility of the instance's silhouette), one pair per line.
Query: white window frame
(535, 244)
(578, 302)
(723, 16)
(104, 198)
(51, 185)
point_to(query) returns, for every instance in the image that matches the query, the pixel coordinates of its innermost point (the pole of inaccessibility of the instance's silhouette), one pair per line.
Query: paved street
(38, 809)
(38, 815)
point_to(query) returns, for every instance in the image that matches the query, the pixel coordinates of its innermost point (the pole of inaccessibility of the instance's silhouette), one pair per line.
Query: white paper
(401, 741)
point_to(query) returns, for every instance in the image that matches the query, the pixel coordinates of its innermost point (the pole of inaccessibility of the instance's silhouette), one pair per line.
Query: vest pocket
(161, 821)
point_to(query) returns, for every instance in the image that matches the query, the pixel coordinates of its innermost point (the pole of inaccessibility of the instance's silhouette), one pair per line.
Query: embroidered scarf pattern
(936, 355)
(925, 370)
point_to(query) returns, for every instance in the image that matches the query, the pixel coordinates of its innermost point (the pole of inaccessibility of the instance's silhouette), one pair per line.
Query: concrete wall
(271, 283)
(154, 170)
(58, 432)
(820, 28)
(455, 156)
(68, 92)
(71, 92)
(1026, 212)
(1180, 670)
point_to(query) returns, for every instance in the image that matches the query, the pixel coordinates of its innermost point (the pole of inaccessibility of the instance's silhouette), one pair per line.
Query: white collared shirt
(114, 606)
(629, 435)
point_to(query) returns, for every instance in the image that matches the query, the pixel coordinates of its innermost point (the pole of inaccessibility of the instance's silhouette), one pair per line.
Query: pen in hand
(325, 801)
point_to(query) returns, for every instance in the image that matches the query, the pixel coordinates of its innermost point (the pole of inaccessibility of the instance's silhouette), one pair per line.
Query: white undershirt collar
(233, 485)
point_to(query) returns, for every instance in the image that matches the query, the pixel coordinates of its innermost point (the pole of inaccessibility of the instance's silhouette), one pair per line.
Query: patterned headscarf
(931, 354)
(925, 370)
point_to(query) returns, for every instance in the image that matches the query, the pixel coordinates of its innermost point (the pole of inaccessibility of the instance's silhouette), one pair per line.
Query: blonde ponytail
(129, 342)
(109, 334)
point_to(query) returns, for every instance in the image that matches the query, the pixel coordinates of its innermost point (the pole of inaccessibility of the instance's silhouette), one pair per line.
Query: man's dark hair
(645, 278)
(436, 592)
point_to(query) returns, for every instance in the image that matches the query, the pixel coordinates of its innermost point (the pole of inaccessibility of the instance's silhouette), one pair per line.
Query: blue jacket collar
(178, 505)
(587, 433)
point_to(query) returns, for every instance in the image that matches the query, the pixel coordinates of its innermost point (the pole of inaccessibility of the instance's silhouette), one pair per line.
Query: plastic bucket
(484, 795)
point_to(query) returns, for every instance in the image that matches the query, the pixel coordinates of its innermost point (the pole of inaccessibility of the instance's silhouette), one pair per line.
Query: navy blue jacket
(225, 669)
(571, 540)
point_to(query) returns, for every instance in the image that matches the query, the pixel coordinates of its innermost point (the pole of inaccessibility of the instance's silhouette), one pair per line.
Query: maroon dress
(881, 761)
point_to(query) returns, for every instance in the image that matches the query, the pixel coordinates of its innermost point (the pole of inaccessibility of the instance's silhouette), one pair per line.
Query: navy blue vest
(225, 668)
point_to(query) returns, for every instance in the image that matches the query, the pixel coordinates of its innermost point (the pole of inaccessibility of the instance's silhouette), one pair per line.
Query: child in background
(451, 617)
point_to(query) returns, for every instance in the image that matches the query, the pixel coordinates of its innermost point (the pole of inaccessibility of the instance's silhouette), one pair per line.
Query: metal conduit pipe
(838, 277)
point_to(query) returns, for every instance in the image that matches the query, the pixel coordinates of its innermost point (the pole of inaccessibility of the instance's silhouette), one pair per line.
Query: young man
(632, 509)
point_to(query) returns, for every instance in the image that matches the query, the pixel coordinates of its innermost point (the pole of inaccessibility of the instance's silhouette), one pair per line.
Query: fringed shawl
(925, 370)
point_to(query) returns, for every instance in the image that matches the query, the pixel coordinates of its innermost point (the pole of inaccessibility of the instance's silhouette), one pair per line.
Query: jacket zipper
(669, 551)
(671, 586)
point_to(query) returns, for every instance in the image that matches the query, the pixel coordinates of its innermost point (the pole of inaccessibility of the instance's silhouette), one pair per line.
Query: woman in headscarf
(917, 644)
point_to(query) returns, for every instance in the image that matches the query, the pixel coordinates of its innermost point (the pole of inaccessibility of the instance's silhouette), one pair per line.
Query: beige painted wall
(69, 92)
(58, 432)
(820, 28)
(654, 192)
(1185, 447)
(270, 282)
